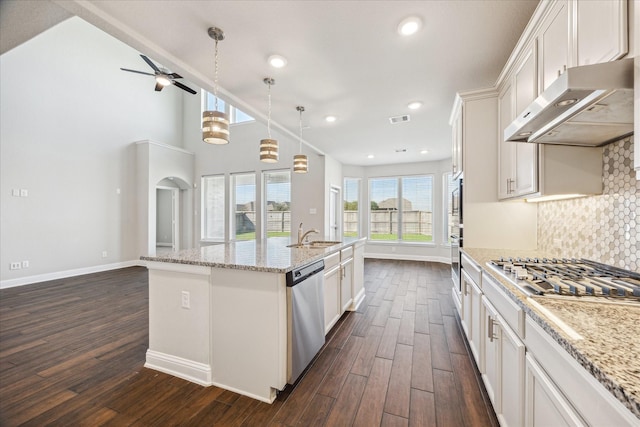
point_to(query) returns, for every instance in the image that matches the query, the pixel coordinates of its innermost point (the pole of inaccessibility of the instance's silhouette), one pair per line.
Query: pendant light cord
(215, 78)
(300, 148)
(269, 111)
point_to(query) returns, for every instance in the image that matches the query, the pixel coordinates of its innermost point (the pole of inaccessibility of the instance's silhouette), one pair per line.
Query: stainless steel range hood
(590, 105)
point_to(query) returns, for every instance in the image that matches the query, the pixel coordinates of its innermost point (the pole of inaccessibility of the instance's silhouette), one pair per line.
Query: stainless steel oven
(456, 231)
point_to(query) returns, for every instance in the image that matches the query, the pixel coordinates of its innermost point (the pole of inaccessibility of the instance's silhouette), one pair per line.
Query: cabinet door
(472, 315)
(346, 285)
(491, 375)
(457, 143)
(331, 297)
(506, 149)
(601, 30)
(512, 376)
(545, 405)
(554, 45)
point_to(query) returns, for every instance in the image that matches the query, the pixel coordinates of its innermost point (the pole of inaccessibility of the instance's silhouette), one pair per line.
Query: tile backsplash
(602, 228)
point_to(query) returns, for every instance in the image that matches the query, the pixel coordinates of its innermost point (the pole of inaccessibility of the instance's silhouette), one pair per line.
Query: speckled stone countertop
(269, 255)
(611, 346)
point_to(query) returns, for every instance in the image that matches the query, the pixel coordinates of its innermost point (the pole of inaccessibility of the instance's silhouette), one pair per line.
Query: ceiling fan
(163, 76)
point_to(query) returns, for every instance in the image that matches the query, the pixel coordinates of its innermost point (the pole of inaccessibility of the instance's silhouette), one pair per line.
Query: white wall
(438, 251)
(69, 117)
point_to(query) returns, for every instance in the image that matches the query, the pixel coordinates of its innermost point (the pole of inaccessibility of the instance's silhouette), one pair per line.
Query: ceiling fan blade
(151, 64)
(185, 88)
(175, 75)
(136, 71)
(158, 87)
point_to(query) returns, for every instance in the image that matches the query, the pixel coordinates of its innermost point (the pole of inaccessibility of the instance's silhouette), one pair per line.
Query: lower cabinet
(546, 406)
(332, 308)
(472, 316)
(346, 284)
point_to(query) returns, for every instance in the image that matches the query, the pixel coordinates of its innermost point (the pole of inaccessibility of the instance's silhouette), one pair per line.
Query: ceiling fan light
(300, 163)
(268, 150)
(215, 127)
(163, 80)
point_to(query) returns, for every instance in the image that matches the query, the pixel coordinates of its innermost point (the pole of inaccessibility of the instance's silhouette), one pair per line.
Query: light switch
(15, 192)
(24, 192)
(313, 211)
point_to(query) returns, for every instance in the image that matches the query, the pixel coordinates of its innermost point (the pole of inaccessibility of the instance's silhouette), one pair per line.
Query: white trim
(261, 398)
(163, 145)
(406, 257)
(357, 300)
(189, 370)
(68, 273)
(178, 267)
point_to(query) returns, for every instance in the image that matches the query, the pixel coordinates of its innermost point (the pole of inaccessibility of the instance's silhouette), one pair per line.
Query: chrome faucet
(302, 236)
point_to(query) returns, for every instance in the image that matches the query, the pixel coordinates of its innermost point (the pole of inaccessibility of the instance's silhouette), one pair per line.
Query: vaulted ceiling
(345, 58)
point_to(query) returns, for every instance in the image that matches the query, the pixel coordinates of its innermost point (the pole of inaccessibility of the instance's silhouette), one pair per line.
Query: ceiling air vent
(399, 119)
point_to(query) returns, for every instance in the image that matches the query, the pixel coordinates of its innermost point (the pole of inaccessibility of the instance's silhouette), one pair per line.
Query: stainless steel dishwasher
(305, 317)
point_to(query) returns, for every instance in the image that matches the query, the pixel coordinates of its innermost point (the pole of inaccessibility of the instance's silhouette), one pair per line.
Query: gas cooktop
(572, 277)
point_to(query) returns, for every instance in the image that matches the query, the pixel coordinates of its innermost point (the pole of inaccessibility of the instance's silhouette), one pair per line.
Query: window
(401, 208)
(212, 227)
(449, 186)
(351, 211)
(243, 206)
(277, 203)
(235, 115)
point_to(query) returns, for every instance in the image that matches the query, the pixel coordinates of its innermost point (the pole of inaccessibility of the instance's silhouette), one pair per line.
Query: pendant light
(300, 161)
(269, 147)
(215, 124)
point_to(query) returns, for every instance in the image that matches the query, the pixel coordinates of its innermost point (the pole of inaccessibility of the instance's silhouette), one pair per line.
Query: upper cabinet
(457, 136)
(601, 30)
(562, 34)
(554, 45)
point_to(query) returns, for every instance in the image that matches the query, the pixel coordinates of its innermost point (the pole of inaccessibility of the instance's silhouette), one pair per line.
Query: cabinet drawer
(472, 269)
(331, 260)
(509, 310)
(592, 400)
(346, 253)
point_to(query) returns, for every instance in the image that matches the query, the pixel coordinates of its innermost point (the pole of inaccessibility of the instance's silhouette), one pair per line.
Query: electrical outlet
(15, 266)
(104, 254)
(186, 299)
(25, 264)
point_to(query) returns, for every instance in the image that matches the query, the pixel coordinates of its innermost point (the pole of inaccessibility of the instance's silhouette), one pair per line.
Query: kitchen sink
(316, 244)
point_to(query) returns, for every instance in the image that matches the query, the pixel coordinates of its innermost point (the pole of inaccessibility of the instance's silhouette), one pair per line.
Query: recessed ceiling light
(331, 119)
(424, 152)
(370, 156)
(409, 26)
(414, 105)
(277, 61)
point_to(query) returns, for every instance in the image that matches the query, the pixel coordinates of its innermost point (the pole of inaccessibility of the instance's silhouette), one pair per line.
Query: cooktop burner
(577, 277)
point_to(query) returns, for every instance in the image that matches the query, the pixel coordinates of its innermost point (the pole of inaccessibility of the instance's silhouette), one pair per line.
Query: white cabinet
(472, 311)
(504, 355)
(346, 282)
(332, 308)
(601, 30)
(457, 140)
(506, 149)
(554, 45)
(545, 404)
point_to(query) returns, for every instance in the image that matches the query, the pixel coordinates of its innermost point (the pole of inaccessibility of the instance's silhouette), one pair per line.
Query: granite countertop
(602, 351)
(269, 255)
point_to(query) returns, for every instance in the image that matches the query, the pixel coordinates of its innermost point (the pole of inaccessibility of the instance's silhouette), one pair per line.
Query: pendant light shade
(215, 124)
(215, 127)
(268, 150)
(269, 146)
(300, 161)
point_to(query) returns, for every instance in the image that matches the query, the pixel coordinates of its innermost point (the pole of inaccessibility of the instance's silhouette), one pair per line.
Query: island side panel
(249, 324)
(179, 335)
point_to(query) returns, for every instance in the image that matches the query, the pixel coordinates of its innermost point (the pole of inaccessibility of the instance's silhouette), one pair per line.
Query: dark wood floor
(72, 353)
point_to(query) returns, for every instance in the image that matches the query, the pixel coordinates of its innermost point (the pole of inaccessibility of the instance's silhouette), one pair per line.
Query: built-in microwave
(456, 231)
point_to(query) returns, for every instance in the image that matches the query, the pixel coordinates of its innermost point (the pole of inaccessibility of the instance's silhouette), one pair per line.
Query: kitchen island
(218, 314)
(581, 351)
